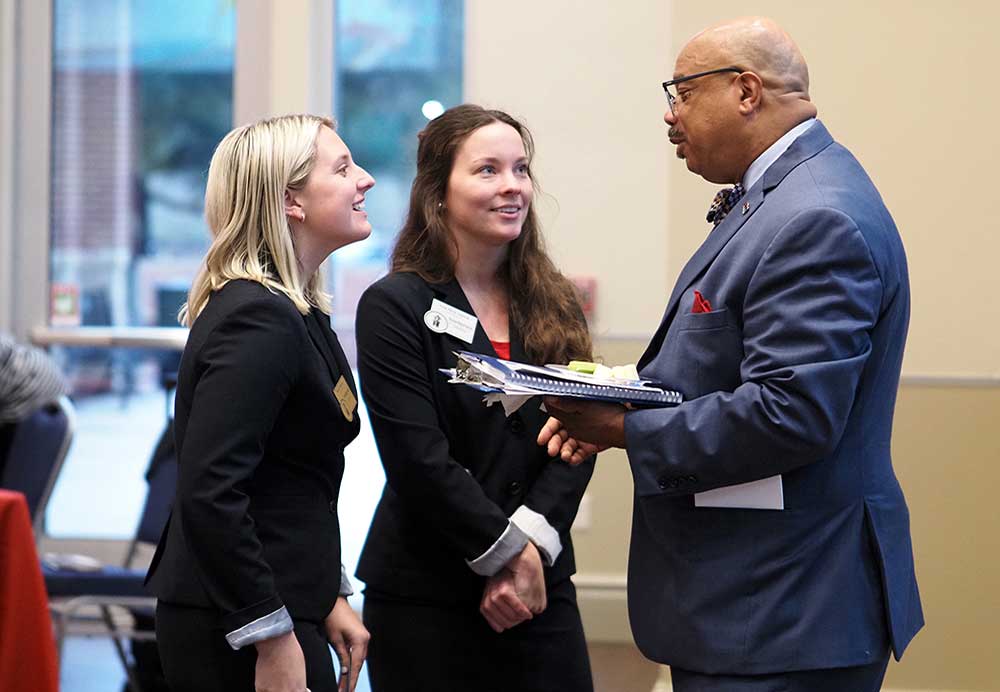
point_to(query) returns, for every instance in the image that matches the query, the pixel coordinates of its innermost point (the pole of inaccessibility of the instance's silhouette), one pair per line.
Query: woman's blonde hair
(245, 210)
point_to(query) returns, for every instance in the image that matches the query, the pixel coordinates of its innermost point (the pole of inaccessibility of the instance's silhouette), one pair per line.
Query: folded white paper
(510, 402)
(767, 493)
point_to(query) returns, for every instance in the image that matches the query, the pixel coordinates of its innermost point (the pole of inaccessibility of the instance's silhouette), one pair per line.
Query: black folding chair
(72, 591)
(38, 447)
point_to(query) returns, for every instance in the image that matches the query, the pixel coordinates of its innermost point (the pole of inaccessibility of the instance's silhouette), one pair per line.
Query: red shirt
(502, 348)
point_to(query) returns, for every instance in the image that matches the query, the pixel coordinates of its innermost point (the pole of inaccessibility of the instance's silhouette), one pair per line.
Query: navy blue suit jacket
(794, 371)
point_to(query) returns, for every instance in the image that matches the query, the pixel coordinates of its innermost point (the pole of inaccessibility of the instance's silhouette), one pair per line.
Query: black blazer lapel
(326, 342)
(516, 346)
(452, 294)
(323, 338)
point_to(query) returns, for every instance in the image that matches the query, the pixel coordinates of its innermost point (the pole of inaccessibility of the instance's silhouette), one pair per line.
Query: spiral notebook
(496, 375)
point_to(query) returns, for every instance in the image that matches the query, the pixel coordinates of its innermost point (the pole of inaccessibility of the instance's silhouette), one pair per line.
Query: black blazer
(455, 469)
(260, 443)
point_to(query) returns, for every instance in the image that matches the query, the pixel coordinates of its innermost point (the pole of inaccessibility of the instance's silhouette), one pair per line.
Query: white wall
(7, 59)
(585, 78)
(24, 158)
(908, 87)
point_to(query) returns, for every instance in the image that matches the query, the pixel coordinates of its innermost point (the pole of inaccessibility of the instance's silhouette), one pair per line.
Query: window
(141, 94)
(397, 64)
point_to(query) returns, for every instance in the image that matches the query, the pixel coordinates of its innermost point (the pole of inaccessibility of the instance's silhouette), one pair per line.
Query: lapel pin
(746, 207)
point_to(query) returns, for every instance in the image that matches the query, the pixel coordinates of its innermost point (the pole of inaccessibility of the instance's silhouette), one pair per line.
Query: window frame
(276, 69)
(269, 48)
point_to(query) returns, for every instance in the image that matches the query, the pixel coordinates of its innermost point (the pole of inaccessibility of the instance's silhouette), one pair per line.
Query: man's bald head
(720, 122)
(755, 44)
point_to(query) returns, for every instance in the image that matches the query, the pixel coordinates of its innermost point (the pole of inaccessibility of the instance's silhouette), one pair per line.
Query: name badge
(445, 319)
(348, 402)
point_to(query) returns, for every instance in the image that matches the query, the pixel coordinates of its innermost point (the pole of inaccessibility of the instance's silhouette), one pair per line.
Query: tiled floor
(90, 665)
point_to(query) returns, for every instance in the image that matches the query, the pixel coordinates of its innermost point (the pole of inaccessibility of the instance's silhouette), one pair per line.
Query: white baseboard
(603, 607)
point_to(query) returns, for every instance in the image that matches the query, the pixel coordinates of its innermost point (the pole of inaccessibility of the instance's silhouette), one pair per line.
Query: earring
(302, 216)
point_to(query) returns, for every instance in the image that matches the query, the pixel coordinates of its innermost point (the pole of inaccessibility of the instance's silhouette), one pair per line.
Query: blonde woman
(248, 572)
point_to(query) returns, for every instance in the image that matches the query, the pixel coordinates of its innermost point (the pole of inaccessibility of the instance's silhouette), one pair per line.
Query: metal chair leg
(133, 681)
(60, 633)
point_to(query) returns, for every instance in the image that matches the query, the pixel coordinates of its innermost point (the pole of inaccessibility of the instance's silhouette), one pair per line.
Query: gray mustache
(673, 132)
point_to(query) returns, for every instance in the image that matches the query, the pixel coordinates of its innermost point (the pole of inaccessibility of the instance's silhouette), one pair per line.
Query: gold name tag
(346, 398)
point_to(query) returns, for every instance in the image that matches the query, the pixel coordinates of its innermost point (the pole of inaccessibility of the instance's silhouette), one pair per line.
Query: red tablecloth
(27, 648)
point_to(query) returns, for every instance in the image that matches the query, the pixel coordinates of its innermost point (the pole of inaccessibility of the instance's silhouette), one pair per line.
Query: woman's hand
(515, 593)
(529, 578)
(281, 667)
(501, 605)
(349, 639)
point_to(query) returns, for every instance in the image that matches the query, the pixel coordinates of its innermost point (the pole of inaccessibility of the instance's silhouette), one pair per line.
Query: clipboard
(494, 375)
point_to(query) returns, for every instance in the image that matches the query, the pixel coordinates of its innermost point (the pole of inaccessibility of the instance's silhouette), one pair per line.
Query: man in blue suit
(785, 334)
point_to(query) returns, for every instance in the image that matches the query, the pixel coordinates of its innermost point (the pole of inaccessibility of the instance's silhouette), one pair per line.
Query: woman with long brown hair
(468, 560)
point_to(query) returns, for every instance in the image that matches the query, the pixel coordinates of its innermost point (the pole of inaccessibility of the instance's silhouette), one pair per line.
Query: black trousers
(867, 678)
(431, 647)
(197, 658)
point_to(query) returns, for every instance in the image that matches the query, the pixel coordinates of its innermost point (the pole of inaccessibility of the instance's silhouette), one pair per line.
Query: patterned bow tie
(724, 200)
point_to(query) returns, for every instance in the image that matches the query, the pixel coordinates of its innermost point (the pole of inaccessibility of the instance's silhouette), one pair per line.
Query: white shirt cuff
(540, 531)
(272, 625)
(510, 543)
(345, 583)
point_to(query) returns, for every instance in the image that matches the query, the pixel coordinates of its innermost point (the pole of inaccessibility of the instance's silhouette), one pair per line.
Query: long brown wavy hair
(544, 309)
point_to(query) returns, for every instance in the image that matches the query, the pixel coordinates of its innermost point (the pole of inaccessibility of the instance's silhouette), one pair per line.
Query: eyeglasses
(673, 99)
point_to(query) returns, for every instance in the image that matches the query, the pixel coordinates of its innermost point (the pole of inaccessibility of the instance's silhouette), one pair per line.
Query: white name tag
(445, 319)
